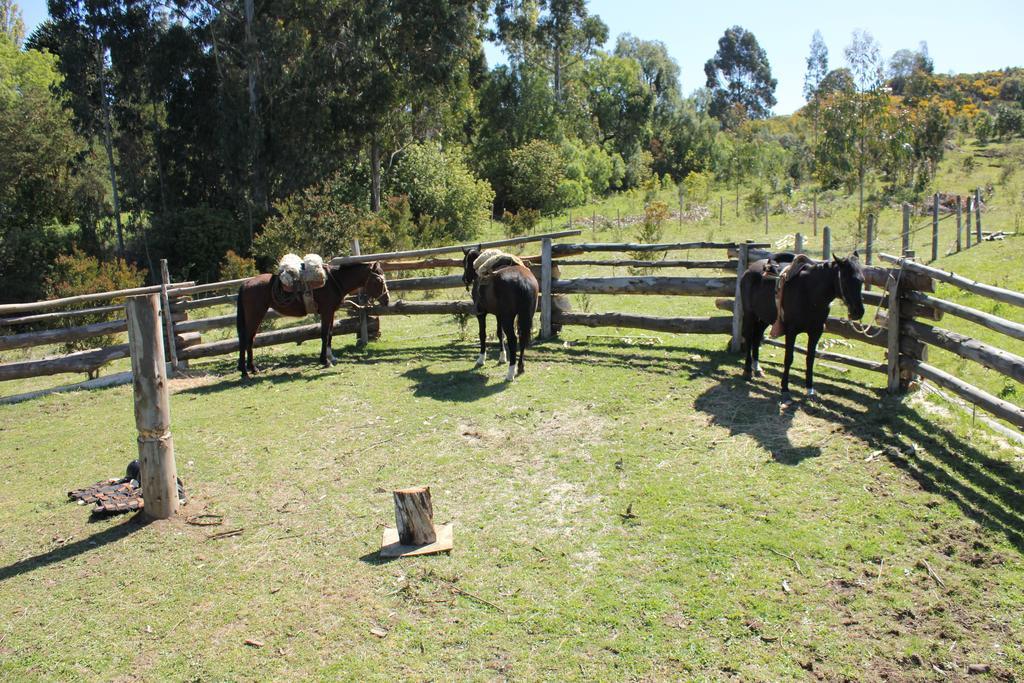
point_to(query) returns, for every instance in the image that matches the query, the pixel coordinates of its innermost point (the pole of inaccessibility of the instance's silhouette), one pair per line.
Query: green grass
(765, 545)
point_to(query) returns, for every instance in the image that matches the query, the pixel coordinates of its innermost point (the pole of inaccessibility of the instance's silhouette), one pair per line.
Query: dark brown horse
(510, 293)
(805, 304)
(261, 292)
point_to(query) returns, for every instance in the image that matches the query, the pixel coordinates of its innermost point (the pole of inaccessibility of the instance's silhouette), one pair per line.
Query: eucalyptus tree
(740, 79)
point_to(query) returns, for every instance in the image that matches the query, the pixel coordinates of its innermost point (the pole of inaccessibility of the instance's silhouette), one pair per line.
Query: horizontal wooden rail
(1004, 362)
(62, 334)
(729, 265)
(873, 366)
(984, 400)
(83, 361)
(558, 249)
(291, 334)
(992, 322)
(690, 286)
(395, 255)
(907, 308)
(58, 315)
(400, 307)
(176, 291)
(998, 293)
(432, 282)
(203, 303)
(684, 325)
(7, 309)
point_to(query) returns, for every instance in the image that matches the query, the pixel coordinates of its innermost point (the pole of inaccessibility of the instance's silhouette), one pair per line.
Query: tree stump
(414, 516)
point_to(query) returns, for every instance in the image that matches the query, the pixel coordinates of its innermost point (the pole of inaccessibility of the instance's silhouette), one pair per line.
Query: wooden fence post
(766, 217)
(826, 243)
(893, 328)
(869, 248)
(364, 318)
(959, 225)
(935, 227)
(152, 407)
(906, 229)
(977, 215)
(970, 203)
(814, 209)
(721, 209)
(737, 304)
(798, 243)
(165, 305)
(545, 289)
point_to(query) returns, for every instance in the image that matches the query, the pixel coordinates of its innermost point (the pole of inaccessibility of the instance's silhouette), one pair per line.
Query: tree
(659, 71)
(740, 79)
(39, 166)
(11, 25)
(864, 58)
(909, 71)
(559, 38)
(817, 67)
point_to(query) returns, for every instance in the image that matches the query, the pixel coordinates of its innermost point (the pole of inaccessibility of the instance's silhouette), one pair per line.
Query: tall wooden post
(970, 202)
(737, 304)
(814, 218)
(893, 329)
(364, 318)
(680, 208)
(165, 304)
(959, 225)
(826, 243)
(152, 407)
(906, 230)
(869, 248)
(798, 243)
(721, 209)
(766, 217)
(977, 215)
(935, 227)
(545, 288)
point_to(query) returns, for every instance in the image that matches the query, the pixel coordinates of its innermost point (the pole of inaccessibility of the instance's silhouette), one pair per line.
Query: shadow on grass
(988, 490)
(455, 385)
(66, 552)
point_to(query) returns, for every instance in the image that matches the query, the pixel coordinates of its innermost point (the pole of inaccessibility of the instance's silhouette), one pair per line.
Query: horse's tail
(526, 316)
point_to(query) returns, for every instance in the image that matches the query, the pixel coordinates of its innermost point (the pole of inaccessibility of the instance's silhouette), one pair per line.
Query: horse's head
(850, 279)
(376, 287)
(468, 271)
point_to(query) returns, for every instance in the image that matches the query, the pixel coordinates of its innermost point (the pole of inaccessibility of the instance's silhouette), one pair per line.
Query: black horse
(510, 292)
(805, 304)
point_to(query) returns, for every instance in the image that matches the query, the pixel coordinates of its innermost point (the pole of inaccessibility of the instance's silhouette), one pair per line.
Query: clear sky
(961, 36)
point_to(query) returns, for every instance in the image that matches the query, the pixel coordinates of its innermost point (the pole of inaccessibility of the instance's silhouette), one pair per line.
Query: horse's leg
(252, 327)
(240, 327)
(812, 347)
(790, 340)
(503, 358)
(525, 323)
(748, 336)
(508, 323)
(758, 337)
(482, 319)
(326, 324)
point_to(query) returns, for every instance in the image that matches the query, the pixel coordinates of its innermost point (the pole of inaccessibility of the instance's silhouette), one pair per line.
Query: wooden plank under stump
(415, 532)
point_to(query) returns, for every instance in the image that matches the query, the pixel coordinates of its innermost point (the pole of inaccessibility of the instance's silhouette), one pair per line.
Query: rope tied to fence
(865, 328)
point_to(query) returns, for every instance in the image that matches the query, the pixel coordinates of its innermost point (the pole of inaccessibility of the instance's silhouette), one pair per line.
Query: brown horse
(511, 297)
(261, 292)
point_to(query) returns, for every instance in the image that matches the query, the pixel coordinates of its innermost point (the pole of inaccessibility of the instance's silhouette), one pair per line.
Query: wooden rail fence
(905, 325)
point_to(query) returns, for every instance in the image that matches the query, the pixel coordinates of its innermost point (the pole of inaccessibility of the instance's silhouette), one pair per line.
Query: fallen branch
(790, 558)
(459, 591)
(931, 572)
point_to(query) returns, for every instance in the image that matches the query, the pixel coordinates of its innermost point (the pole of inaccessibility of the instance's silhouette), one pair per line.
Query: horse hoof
(520, 371)
(511, 374)
(502, 358)
(479, 361)
(785, 399)
(747, 376)
(811, 393)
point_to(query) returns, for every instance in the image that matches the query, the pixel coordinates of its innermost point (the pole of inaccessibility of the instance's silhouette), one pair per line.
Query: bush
(755, 202)
(537, 171)
(520, 223)
(234, 267)
(651, 230)
(440, 186)
(78, 273)
(319, 220)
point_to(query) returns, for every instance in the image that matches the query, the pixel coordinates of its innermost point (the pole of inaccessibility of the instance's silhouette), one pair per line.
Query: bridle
(379, 277)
